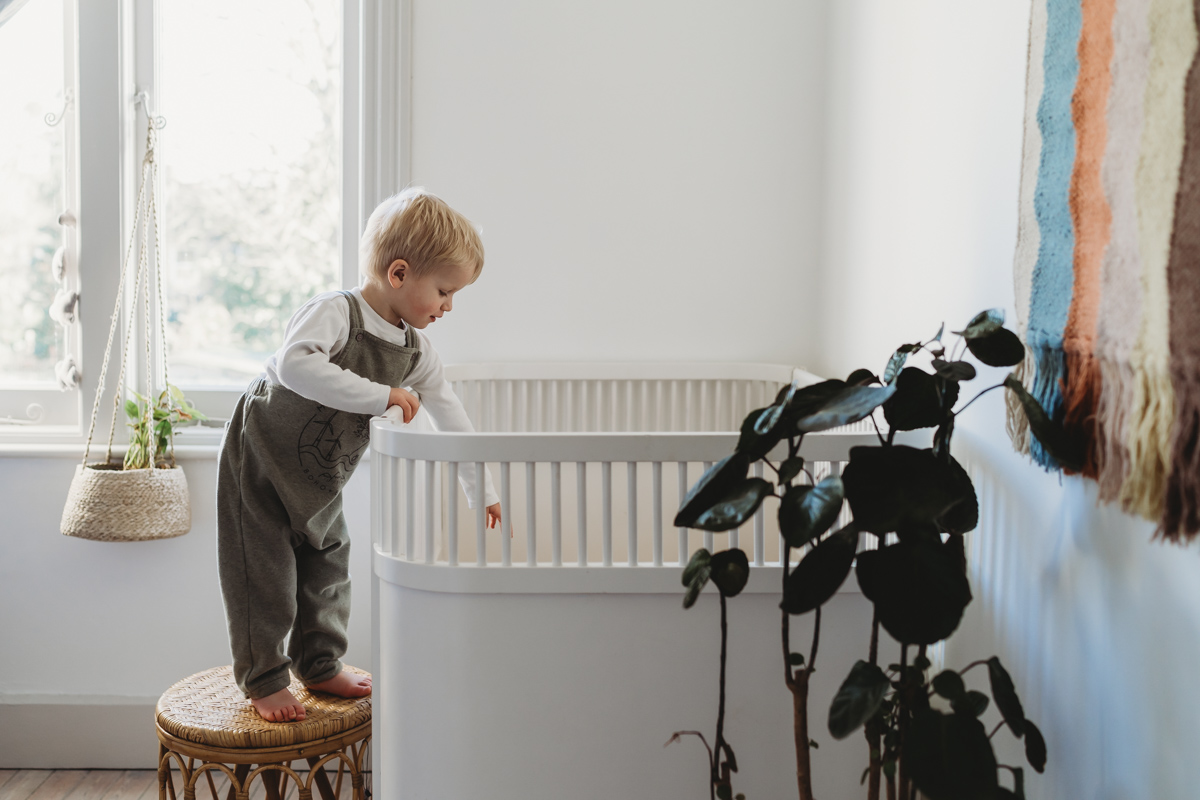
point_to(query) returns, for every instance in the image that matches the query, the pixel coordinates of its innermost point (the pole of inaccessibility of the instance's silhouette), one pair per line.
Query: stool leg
(322, 780)
(270, 780)
(239, 773)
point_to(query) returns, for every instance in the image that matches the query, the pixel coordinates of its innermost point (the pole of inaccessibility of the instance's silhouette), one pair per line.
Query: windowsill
(66, 442)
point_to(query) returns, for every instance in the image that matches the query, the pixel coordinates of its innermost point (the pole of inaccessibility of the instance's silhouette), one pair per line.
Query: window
(36, 251)
(261, 167)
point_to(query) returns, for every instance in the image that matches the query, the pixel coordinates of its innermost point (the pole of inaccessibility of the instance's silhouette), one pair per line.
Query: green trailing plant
(152, 426)
(923, 732)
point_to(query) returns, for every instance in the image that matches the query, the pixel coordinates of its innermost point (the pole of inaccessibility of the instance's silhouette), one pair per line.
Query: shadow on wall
(1099, 624)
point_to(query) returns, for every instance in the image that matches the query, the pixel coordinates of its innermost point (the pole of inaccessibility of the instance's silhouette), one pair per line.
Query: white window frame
(108, 141)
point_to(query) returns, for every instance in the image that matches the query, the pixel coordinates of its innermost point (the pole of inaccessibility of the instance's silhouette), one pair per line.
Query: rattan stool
(206, 718)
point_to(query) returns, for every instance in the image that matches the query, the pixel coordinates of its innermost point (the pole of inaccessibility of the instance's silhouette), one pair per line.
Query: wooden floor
(111, 784)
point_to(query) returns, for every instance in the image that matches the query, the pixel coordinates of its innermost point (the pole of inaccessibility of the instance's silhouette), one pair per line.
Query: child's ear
(396, 272)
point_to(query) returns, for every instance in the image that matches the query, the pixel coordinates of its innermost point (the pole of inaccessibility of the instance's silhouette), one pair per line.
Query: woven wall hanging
(1107, 268)
(107, 502)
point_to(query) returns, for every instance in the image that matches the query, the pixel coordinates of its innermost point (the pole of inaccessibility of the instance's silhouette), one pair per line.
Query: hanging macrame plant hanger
(107, 502)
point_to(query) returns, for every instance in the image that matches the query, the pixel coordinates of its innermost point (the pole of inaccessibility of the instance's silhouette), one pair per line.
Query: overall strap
(356, 317)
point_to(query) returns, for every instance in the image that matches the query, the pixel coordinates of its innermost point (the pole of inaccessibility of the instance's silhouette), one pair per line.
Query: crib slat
(505, 516)
(684, 550)
(556, 513)
(760, 525)
(410, 507)
(581, 512)
(452, 508)
(530, 514)
(394, 506)
(656, 507)
(606, 512)
(480, 518)
(376, 498)
(430, 466)
(631, 472)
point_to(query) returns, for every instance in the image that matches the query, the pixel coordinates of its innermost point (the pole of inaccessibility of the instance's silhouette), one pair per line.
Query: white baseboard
(74, 732)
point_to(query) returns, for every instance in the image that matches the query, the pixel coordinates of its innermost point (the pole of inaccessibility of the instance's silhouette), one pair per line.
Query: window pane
(251, 160)
(31, 174)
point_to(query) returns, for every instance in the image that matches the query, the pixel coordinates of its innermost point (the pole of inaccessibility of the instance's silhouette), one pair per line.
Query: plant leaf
(896, 487)
(1001, 348)
(1035, 747)
(847, 406)
(132, 410)
(949, 684)
(971, 703)
(790, 469)
(699, 560)
(696, 586)
(754, 444)
(949, 756)
(806, 512)
(1005, 695)
(736, 506)
(954, 370)
(730, 571)
(918, 587)
(962, 515)
(861, 377)
(808, 400)
(821, 572)
(984, 323)
(858, 699)
(711, 487)
(1052, 436)
(918, 401)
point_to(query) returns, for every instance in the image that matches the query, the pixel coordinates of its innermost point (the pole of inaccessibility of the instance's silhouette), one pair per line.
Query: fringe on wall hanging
(1107, 267)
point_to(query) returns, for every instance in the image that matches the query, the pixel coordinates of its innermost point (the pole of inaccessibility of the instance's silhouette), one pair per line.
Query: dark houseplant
(916, 579)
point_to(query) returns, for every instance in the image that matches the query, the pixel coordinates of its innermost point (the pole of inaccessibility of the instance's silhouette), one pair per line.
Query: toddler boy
(300, 430)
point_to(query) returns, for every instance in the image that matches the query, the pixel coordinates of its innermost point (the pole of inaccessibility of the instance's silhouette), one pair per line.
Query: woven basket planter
(109, 504)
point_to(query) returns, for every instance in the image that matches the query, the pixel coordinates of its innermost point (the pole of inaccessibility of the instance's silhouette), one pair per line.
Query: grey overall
(283, 548)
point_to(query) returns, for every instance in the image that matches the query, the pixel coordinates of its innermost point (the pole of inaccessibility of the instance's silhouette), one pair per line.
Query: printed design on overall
(331, 444)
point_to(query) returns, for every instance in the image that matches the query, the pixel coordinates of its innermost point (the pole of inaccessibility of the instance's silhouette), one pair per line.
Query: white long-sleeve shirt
(319, 331)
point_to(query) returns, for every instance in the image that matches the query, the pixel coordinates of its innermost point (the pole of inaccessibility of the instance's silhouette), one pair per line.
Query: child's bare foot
(282, 706)
(345, 684)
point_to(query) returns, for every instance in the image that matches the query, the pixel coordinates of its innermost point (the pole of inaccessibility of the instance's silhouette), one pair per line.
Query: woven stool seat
(209, 708)
(206, 717)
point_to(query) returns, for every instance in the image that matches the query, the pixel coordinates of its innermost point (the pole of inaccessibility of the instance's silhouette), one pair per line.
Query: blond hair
(423, 230)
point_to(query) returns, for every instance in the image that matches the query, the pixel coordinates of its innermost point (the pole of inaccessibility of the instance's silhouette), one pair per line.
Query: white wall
(1097, 623)
(648, 177)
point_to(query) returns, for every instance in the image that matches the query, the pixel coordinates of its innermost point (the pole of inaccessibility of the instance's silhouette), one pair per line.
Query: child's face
(422, 299)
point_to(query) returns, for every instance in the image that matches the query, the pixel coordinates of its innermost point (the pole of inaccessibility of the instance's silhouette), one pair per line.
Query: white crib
(632, 438)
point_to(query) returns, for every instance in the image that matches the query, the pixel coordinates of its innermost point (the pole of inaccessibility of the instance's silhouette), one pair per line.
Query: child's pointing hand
(493, 516)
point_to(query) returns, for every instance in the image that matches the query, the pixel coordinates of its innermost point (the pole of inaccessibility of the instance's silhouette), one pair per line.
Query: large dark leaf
(985, 323)
(954, 370)
(808, 399)
(849, 405)
(921, 400)
(712, 486)
(1000, 348)
(963, 515)
(858, 699)
(971, 703)
(735, 506)
(1053, 437)
(820, 573)
(806, 512)
(695, 575)
(790, 468)
(949, 684)
(699, 561)
(1035, 747)
(898, 487)
(753, 444)
(730, 571)
(1005, 695)
(949, 757)
(919, 589)
(861, 377)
